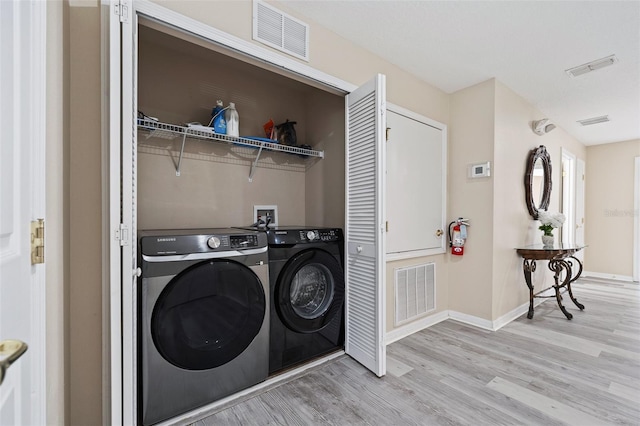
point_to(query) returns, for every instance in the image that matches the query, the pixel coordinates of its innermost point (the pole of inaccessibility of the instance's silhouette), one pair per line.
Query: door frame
(120, 271)
(636, 221)
(568, 179)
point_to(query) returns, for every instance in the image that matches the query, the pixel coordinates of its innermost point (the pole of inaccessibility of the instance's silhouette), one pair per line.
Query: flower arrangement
(550, 221)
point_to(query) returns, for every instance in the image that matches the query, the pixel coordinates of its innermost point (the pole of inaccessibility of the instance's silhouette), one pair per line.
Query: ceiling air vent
(592, 66)
(280, 31)
(594, 120)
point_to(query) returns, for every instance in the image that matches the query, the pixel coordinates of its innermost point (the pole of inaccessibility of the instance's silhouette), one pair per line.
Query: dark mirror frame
(536, 154)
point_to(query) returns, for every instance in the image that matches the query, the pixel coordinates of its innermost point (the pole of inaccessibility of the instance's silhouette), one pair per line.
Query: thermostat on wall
(480, 170)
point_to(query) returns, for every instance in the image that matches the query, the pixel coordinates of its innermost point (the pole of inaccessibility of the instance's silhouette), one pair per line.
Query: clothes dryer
(307, 287)
(203, 325)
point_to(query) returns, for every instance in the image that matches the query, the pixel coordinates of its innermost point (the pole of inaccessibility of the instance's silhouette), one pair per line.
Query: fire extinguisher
(459, 236)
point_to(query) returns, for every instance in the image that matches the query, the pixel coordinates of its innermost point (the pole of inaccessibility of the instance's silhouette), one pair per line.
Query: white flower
(554, 220)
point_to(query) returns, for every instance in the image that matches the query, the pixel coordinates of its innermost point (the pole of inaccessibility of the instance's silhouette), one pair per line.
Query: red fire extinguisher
(458, 237)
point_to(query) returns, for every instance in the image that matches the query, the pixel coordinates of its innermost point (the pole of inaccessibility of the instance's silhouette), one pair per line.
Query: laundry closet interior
(179, 81)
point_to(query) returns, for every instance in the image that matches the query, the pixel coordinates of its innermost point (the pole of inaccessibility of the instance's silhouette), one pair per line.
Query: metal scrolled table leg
(557, 265)
(529, 266)
(573, 299)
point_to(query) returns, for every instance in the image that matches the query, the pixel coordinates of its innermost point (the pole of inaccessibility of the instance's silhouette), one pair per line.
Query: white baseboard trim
(414, 327)
(409, 329)
(605, 276)
(512, 315)
(472, 320)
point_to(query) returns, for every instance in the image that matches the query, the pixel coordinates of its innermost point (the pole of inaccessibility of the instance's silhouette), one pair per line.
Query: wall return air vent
(592, 66)
(280, 31)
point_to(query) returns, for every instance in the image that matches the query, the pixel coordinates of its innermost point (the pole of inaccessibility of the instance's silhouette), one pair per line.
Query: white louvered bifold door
(365, 261)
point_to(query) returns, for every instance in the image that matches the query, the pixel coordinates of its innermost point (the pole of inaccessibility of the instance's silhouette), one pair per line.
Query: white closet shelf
(156, 129)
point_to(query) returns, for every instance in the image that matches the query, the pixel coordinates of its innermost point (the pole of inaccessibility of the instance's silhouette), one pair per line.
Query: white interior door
(22, 144)
(365, 236)
(579, 207)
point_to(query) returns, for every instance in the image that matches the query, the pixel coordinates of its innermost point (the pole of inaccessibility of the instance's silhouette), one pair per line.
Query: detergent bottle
(233, 120)
(218, 120)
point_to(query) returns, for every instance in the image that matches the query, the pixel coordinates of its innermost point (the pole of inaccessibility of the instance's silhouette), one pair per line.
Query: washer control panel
(244, 241)
(192, 241)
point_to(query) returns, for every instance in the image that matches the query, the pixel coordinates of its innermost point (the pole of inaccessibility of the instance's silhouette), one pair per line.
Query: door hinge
(121, 9)
(386, 225)
(387, 134)
(122, 235)
(37, 241)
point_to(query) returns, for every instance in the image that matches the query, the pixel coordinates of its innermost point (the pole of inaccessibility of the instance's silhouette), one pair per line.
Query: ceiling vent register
(592, 66)
(280, 31)
(594, 120)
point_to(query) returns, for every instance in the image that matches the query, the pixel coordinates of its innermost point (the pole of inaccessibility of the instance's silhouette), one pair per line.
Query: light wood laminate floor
(543, 371)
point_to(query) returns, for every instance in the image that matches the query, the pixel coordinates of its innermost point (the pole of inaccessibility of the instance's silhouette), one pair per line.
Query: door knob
(359, 249)
(11, 350)
(439, 233)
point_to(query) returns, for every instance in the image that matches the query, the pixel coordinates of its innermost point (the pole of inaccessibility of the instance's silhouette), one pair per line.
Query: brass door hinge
(37, 241)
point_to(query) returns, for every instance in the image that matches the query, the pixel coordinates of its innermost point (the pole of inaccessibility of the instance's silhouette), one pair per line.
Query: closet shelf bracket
(253, 165)
(184, 139)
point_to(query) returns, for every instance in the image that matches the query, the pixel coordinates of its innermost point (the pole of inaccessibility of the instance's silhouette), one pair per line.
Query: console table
(561, 259)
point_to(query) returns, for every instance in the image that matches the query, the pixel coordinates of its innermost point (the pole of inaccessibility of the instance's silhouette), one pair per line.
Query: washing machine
(307, 290)
(203, 323)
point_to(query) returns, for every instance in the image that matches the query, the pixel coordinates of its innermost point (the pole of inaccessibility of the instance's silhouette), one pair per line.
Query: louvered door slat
(365, 214)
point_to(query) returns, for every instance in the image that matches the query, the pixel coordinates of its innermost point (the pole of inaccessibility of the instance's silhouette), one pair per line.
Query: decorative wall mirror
(537, 181)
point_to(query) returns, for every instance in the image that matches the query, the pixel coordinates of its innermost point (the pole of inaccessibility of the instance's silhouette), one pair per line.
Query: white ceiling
(527, 45)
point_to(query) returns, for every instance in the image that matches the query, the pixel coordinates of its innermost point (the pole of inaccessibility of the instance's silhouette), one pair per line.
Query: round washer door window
(208, 314)
(310, 291)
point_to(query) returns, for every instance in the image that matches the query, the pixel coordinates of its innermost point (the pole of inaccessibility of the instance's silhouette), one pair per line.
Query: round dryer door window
(208, 314)
(310, 291)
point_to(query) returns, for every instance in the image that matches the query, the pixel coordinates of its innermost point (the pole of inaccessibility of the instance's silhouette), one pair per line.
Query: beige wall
(512, 224)
(85, 217)
(325, 180)
(490, 122)
(610, 211)
(471, 138)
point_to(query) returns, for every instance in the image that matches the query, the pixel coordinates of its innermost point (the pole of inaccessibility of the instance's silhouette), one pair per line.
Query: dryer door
(310, 291)
(208, 314)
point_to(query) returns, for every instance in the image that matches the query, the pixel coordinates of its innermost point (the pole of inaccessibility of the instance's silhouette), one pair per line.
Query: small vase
(547, 241)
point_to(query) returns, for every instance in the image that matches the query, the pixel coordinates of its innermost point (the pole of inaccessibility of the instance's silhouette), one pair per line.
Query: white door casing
(568, 179)
(636, 221)
(580, 207)
(22, 199)
(365, 236)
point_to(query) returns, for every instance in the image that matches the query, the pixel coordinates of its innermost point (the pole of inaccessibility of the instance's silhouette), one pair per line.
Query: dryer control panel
(313, 235)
